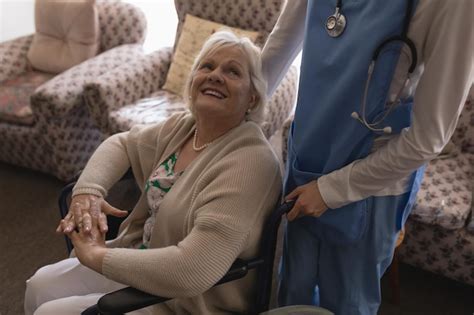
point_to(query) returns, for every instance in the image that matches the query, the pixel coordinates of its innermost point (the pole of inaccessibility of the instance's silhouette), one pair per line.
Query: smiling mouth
(213, 93)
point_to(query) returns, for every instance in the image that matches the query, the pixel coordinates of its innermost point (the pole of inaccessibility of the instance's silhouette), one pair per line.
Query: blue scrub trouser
(344, 278)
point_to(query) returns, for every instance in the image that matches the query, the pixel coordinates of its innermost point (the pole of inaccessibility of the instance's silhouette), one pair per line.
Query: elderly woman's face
(221, 87)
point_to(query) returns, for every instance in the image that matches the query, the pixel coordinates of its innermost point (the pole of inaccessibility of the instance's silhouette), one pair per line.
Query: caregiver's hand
(80, 214)
(308, 201)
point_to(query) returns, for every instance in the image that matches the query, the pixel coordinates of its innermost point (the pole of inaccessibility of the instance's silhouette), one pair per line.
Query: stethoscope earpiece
(386, 130)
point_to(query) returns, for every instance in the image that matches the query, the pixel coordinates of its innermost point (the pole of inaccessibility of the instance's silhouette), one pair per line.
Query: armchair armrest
(13, 59)
(284, 137)
(58, 96)
(126, 84)
(282, 102)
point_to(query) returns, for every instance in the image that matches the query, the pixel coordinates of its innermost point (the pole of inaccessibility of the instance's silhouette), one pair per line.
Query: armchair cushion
(157, 107)
(15, 97)
(67, 33)
(445, 194)
(194, 34)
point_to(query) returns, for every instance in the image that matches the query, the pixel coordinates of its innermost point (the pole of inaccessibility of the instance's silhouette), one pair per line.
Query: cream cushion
(67, 33)
(195, 32)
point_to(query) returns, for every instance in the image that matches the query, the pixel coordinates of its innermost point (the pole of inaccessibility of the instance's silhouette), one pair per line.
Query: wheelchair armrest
(126, 300)
(129, 299)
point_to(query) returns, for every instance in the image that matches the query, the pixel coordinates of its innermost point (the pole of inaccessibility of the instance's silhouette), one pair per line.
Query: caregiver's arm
(284, 43)
(444, 37)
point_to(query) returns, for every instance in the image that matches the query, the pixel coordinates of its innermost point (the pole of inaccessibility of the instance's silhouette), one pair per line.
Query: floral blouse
(157, 186)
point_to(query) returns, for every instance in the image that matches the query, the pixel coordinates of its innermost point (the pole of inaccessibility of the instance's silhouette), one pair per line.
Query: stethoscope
(335, 26)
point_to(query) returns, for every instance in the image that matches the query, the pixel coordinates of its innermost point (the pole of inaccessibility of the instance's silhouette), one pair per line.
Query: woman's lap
(64, 279)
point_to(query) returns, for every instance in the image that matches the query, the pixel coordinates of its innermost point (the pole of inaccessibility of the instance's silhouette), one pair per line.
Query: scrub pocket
(343, 225)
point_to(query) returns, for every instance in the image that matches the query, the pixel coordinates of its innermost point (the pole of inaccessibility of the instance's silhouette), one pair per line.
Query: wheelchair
(130, 299)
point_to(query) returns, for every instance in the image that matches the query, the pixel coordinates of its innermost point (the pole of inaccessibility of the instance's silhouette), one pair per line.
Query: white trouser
(67, 287)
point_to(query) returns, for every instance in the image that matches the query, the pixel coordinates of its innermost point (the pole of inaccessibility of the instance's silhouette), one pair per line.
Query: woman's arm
(284, 43)
(106, 166)
(232, 200)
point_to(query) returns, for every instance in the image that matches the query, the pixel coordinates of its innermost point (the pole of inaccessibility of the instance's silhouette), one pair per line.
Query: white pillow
(67, 33)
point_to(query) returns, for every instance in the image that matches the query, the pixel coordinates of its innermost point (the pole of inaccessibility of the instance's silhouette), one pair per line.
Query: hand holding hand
(308, 201)
(82, 208)
(90, 247)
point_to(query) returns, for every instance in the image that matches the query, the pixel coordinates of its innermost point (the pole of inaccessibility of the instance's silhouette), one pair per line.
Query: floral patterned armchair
(60, 136)
(132, 94)
(438, 237)
(439, 233)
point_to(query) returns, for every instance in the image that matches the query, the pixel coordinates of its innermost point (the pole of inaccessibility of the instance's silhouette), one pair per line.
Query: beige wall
(16, 18)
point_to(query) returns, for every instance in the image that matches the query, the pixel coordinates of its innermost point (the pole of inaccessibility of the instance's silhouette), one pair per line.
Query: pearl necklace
(195, 147)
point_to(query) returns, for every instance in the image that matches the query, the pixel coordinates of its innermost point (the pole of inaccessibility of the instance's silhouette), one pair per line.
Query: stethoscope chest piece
(336, 24)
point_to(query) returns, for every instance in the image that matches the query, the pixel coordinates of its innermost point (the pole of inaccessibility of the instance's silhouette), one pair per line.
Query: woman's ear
(253, 101)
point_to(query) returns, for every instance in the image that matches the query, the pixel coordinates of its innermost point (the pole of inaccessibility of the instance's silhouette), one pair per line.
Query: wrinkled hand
(90, 246)
(308, 201)
(82, 208)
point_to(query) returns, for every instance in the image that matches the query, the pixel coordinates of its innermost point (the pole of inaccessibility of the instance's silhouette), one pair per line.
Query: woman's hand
(90, 247)
(308, 201)
(82, 208)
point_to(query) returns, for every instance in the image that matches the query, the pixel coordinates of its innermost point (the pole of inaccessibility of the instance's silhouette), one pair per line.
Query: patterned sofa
(437, 237)
(132, 93)
(62, 136)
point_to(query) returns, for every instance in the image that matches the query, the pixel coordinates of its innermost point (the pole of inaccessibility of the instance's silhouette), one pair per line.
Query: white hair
(227, 38)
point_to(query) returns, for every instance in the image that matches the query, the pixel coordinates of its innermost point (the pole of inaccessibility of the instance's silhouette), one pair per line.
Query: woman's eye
(206, 66)
(234, 72)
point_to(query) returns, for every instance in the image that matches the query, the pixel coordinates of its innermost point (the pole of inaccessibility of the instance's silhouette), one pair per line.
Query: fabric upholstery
(437, 237)
(194, 33)
(120, 23)
(445, 194)
(245, 14)
(464, 133)
(126, 84)
(15, 97)
(67, 33)
(13, 54)
(157, 107)
(132, 93)
(445, 252)
(64, 135)
(62, 93)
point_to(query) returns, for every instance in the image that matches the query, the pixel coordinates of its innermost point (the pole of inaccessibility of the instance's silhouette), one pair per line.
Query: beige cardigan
(213, 214)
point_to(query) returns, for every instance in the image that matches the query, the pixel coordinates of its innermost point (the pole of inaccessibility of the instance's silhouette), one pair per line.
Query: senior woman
(208, 178)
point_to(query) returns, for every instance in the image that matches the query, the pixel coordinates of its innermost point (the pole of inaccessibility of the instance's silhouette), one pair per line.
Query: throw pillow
(195, 32)
(67, 33)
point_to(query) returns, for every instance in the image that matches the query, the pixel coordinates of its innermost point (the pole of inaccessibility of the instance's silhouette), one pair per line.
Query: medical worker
(382, 84)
